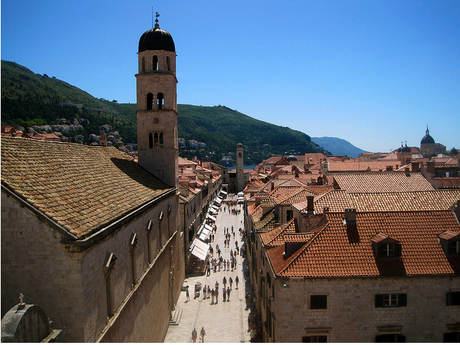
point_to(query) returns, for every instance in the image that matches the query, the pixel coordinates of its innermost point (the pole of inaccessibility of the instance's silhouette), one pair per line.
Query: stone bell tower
(239, 168)
(157, 105)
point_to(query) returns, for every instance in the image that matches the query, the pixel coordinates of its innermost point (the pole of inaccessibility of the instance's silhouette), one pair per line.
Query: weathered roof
(82, 188)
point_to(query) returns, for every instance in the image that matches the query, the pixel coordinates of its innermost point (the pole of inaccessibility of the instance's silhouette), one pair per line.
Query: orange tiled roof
(356, 166)
(275, 237)
(82, 188)
(405, 201)
(336, 252)
(382, 182)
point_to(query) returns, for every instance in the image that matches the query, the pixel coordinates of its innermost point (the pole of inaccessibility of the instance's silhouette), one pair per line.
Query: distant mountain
(338, 147)
(32, 99)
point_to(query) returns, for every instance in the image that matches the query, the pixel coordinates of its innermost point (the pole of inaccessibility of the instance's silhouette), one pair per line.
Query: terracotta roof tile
(335, 251)
(82, 188)
(275, 237)
(382, 182)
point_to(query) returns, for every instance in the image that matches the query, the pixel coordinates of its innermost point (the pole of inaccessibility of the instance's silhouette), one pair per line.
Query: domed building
(428, 146)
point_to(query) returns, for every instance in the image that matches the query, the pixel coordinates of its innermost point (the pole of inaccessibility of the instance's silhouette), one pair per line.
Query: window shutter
(402, 300)
(379, 301)
(449, 298)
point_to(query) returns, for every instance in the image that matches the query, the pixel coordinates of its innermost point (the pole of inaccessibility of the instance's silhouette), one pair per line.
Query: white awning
(211, 217)
(223, 192)
(218, 201)
(204, 232)
(214, 208)
(199, 249)
(240, 194)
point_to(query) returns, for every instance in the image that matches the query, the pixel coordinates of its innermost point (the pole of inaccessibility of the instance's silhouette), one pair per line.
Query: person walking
(237, 281)
(194, 335)
(212, 296)
(224, 281)
(209, 291)
(187, 294)
(230, 281)
(224, 294)
(217, 295)
(202, 333)
(228, 294)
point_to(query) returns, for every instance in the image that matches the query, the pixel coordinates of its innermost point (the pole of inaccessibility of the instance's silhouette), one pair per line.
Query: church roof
(156, 39)
(427, 139)
(81, 188)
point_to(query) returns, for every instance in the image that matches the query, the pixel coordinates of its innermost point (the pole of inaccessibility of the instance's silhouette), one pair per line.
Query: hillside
(32, 99)
(338, 146)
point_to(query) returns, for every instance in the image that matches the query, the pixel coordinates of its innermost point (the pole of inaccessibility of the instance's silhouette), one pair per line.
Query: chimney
(310, 205)
(272, 185)
(350, 216)
(430, 167)
(415, 166)
(457, 210)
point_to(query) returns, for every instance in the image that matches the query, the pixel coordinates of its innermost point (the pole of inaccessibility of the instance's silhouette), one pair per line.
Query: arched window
(155, 63)
(155, 139)
(160, 99)
(168, 63)
(162, 144)
(150, 141)
(149, 101)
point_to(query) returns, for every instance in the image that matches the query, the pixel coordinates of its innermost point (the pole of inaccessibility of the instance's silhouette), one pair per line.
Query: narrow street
(224, 322)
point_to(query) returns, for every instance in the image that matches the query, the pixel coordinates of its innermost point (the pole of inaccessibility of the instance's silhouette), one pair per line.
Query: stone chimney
(415, 166)
(310, 204)
(350, 216)
(430, 167)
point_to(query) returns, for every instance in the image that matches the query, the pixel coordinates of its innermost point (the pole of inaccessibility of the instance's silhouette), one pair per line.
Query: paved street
(224, 322)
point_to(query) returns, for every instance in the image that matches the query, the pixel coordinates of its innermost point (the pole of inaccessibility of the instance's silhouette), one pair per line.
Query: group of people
(195, 335)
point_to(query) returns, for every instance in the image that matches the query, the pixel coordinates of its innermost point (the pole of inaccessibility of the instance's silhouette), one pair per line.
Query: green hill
(32, 99)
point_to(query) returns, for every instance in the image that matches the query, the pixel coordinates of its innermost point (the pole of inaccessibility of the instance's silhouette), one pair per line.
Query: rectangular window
(318, 302)
(453, 298)
(315, 339)
(389, 300)
(388, 249)
(390, 338)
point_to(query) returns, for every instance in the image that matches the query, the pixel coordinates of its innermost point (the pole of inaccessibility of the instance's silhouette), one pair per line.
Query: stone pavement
(224, 322)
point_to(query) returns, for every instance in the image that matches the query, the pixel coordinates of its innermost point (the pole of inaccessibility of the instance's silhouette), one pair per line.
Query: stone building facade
(90, 235)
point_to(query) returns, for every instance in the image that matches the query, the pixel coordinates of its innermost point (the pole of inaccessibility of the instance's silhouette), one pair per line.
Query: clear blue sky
(372, 72)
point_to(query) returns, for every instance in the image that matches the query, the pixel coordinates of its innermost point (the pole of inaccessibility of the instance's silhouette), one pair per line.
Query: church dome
(156, 39)
(427, 139)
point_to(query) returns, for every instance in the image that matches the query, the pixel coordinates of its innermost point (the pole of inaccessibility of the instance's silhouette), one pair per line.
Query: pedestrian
(224, 281)
(217, 295)
(212, 296)
(202, 333)
(194, 334)
(209, 291)
(208, 269)
(204, 292)
(187, 294)
(224, 294)
(230, 280)
(228, 294)
(237, 281)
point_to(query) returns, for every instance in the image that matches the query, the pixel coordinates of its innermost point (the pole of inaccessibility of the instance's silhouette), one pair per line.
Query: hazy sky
(372, 72)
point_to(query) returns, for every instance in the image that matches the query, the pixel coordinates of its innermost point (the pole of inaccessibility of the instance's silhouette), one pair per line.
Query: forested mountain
(32, 99)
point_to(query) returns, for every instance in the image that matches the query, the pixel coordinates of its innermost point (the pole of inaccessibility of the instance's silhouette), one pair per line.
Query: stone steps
(176, 315)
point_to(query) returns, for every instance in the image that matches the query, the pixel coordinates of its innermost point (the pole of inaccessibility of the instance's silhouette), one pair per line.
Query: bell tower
(157, 105)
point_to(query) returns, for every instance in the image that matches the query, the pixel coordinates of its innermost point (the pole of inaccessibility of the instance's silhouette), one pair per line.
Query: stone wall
(351, 314)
